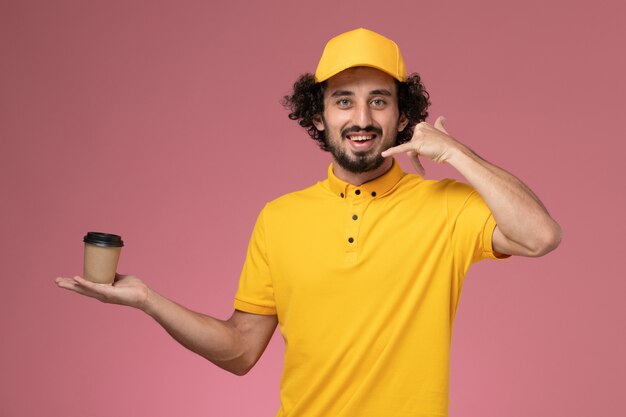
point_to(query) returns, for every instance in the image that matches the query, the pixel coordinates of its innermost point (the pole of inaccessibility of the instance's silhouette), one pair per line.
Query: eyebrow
(380, 93)
(341, 93)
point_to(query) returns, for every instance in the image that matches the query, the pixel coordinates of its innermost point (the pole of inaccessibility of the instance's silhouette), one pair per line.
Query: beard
(356, 162)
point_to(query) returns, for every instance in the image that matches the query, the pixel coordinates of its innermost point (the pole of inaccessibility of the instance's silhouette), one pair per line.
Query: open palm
(126, 289)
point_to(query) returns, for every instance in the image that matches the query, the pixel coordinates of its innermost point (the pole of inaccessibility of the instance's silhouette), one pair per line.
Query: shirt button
(357, 192)
(354, 217)
(373, 193)
(350, 240)
(341, 195)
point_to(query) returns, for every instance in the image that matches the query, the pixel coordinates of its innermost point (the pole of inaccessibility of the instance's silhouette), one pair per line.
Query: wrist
(149, 303)
(458, 153)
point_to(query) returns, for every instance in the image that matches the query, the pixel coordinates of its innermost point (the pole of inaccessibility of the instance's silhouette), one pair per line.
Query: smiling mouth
(361, 138)
(361, 143)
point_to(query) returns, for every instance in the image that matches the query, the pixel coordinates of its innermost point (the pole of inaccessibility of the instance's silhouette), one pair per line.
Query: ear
(402, 122)
(318, 123)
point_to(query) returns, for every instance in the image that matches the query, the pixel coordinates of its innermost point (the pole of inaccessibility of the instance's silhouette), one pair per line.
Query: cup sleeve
(255, 293)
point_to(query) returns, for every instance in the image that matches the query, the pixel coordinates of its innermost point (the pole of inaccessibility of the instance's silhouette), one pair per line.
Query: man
(364, 270)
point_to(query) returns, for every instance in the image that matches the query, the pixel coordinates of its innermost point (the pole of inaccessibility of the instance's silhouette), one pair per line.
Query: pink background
(161, 121)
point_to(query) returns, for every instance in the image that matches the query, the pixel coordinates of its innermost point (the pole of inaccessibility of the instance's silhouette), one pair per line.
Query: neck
(362, 177)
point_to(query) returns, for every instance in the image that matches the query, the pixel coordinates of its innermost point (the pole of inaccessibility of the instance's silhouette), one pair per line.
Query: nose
(363, 115)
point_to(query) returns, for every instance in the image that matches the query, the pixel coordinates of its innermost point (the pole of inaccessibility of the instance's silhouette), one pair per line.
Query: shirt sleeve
(472, 224)
(256, 293)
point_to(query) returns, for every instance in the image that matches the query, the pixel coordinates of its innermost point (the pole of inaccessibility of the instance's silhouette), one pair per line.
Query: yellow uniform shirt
(365, 281)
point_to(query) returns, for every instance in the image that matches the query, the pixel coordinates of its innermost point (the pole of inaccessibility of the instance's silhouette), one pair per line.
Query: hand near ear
(433, 142)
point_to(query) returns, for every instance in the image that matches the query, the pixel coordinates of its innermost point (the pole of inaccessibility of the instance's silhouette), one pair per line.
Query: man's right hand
(234, 344)
(126, 290)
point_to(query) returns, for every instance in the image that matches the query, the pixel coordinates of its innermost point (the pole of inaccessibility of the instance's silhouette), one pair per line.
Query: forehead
(360, 80)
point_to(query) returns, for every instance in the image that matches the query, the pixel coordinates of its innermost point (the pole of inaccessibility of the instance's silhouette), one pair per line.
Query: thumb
(439, 124)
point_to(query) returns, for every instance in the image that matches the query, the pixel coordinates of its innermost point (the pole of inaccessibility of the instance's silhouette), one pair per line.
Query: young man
(364, 270)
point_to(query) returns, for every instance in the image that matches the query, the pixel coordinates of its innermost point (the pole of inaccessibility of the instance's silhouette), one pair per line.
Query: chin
(359, 165)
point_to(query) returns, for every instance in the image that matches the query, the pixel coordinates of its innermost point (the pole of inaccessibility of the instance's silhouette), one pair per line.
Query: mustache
(355, 129)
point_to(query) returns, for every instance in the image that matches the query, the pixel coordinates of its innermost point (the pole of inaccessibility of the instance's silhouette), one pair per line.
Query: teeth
(361, 138)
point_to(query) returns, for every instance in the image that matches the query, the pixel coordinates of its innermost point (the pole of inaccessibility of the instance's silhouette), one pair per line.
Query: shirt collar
(376, 187)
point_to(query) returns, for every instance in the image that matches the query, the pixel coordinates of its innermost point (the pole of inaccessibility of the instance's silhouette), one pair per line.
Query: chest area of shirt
(356, 245)
(355, 230)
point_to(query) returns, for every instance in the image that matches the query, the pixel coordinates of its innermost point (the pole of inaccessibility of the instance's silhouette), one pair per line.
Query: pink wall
(160, 121)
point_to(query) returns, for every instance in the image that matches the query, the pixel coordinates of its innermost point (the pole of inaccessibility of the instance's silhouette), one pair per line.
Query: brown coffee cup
(102, 253)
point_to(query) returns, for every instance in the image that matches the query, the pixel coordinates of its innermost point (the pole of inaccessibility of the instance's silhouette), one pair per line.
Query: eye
(343, 102)
(378, 102)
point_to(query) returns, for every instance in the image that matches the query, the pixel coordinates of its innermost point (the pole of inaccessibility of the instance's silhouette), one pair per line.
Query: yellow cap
(360, 47)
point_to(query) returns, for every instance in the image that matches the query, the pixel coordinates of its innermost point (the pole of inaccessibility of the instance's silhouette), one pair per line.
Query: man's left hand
(433, 142)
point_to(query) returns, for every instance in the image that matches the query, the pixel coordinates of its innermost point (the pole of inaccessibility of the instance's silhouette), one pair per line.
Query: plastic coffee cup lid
(106, 240)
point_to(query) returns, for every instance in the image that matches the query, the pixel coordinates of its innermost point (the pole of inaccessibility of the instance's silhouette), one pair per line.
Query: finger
(67, 283)
(93, 286)
(415, 160)
(72, 285)
(439, 124)
(102, 292)
(83, 291)
(405, 147)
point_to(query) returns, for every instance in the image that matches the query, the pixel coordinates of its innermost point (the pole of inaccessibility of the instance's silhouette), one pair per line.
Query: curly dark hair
(307, 102)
